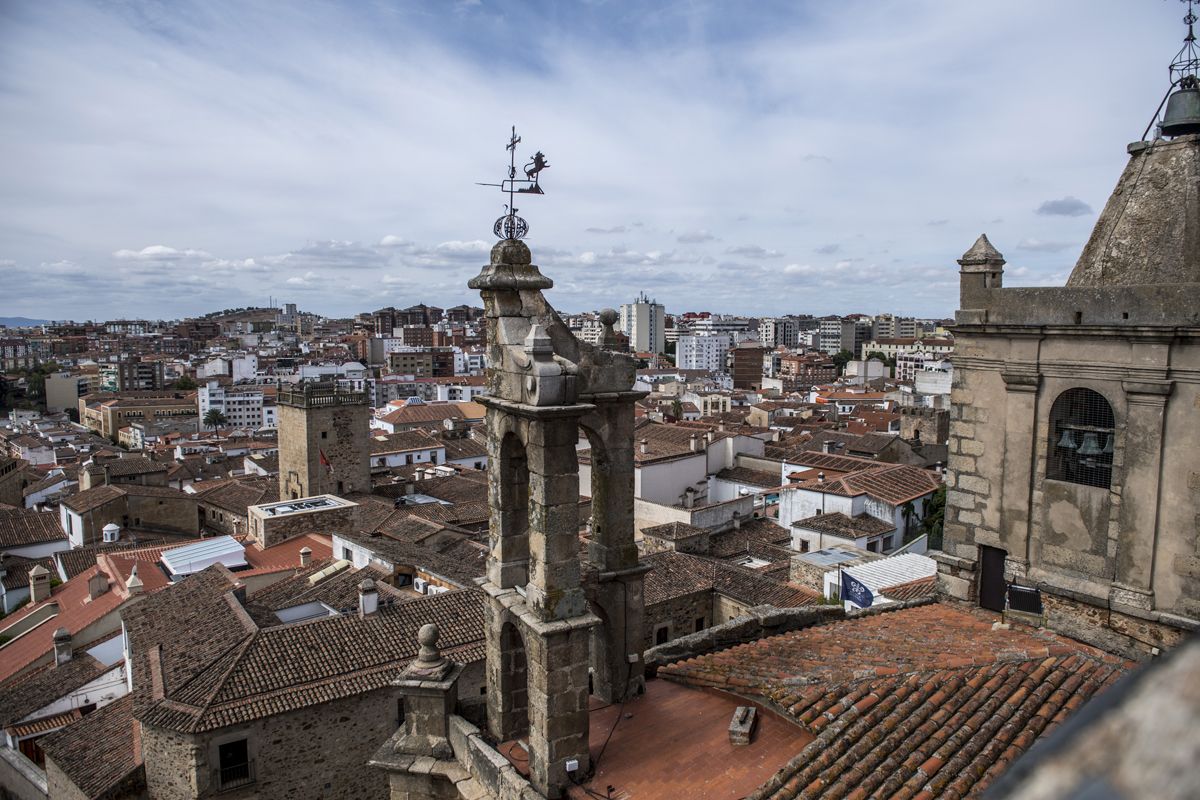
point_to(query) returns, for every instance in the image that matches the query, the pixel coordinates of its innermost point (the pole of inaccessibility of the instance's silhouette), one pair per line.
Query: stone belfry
(547, 639)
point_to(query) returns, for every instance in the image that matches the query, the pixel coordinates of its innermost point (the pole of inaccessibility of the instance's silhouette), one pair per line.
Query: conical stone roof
(1149, 232)
(982, 252)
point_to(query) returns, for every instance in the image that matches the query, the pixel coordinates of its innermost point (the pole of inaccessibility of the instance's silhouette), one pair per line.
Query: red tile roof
(921, 702)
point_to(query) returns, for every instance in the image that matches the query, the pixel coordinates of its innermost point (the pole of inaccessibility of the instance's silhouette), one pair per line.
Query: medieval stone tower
(543, 631)
(323, 439)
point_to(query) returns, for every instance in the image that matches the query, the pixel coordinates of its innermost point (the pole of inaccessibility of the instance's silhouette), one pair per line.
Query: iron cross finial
(510, 226)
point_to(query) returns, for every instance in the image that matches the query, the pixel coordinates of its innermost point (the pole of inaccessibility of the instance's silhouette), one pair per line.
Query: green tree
(841, 359)
(185, 383)
(215, 418)
(935, 512)
(888, 361)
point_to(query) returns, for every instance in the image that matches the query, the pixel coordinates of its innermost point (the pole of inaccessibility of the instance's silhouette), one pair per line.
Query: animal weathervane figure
(510, 226)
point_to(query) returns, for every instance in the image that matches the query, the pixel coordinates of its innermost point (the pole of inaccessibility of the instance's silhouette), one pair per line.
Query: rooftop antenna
(1183, 97)
(510, 226)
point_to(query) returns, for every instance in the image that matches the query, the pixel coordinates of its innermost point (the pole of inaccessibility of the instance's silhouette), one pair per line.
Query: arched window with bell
(1082, 438)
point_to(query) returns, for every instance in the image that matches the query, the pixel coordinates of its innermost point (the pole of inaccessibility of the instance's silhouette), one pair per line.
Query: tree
(841, 359)
(935, 512)
(888, 361)
(215, 418)
(185, 383)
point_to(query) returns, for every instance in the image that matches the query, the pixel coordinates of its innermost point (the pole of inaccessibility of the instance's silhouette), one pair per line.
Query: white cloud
(140, 131)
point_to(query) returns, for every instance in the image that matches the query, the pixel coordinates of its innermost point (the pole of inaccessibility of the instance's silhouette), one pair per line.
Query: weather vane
(1187, 60)
(510, 226)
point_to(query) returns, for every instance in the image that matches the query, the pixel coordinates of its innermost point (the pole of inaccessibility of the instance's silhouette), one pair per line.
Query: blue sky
(168, 158)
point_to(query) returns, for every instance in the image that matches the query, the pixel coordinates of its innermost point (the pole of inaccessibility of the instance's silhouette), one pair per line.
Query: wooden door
(991, 577)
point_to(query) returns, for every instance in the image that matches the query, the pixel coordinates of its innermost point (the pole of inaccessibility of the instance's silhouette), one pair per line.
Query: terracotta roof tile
(19, 528)
(98, 751)
(925, 701)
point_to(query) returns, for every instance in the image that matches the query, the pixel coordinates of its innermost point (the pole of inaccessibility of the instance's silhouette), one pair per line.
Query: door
(991, 577)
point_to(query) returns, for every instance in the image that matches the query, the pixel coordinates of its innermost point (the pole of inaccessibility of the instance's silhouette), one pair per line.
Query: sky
(169, 158)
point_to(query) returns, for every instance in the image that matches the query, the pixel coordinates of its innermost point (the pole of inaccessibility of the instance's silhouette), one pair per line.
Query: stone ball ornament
(609, 317)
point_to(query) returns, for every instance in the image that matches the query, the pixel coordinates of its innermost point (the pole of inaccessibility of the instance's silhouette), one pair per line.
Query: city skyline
(798, 159)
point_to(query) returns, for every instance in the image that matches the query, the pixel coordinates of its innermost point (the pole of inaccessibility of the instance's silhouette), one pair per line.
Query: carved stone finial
(430, 663)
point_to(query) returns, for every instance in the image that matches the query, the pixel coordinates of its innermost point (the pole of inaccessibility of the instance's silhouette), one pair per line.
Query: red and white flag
(325, 462)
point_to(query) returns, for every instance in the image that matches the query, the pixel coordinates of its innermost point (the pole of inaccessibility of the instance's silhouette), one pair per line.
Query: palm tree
(215, 418)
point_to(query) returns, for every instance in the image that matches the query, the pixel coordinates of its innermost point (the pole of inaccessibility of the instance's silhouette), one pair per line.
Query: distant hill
(23, 322)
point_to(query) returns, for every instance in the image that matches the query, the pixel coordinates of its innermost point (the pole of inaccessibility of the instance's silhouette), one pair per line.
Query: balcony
(231, 776)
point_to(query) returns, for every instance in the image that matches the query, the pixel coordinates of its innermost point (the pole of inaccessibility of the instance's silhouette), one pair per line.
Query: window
(400, 712)
(1081, 439)
(661, 634)
(234, 765)
(324, 434)
(347, 554)
(699, 624)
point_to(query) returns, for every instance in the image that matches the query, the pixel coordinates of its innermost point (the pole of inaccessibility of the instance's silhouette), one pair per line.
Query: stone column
(555, 591)
(614, 554)
(1020, 455)
(1139, 493)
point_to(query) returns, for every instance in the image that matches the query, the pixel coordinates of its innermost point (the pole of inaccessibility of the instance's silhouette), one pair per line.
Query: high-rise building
(324, 434)
(643, 321)
(703, 352)
(747, 365)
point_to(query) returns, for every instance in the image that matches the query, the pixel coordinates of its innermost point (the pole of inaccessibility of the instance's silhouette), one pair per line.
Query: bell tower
(550, 644)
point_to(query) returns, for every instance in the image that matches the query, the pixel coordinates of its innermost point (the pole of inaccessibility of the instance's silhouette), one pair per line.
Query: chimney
(689, 497)
(97, 585)
(820, 477)
(737, 522)
(111, 533)
(134, 585)
(828, 446)
(62, 647)
(709, 436)
(368, 598)
(721, 426)
(694, 443)
(39, 584)
(305, 557)
(642, 446)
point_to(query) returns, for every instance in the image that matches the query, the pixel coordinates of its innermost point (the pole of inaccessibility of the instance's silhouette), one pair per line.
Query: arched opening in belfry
(514, 512)
(594, 482)
(514, 684)
(600, 664)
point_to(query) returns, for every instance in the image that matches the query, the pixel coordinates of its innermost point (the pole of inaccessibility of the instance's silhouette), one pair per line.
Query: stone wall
(319, 751)
(20, 779)
(269, 531)
(757, 623)
(341, 432)
(932, 424)
(679, 614)
(1118, 565)
(177, 513)
(221, 520)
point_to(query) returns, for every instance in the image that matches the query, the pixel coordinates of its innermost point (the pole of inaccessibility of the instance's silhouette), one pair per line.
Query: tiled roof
(20, 528)
(892, 483)
(16, 569)
(838, 524)
(338, 591)
(829, 461)
(921, 587)
(676, 574)
(744, 538)
(672, 531)
(90, 499)
(76, 612)
(922, 702)
(754, 477)
(326, 659)
(133, 465)
(97, 752)
(41, 687)
(43, 484)
(461, 571)
(236, 495)
(402, 441)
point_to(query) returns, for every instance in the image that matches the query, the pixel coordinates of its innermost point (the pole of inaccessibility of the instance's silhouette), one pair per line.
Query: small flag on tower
(325, 462)
(856, 591)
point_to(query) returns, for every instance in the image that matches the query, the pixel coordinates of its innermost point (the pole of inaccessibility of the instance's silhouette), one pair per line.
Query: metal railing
(234, 775)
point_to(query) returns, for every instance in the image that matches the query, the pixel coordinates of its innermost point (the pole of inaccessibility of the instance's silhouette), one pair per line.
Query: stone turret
(981, 268)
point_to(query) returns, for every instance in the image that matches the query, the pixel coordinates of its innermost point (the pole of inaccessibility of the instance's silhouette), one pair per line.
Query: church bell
(1183, 109)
